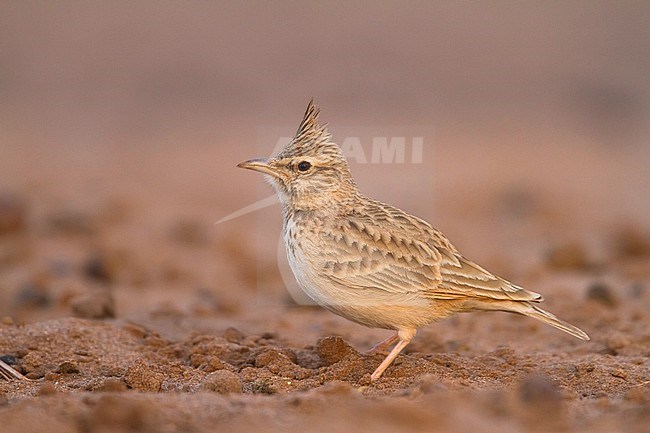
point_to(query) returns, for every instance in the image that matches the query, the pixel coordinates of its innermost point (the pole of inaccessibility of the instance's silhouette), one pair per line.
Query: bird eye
(304, 166)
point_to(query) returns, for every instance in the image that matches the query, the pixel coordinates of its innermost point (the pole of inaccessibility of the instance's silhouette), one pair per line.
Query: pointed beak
(261, 165)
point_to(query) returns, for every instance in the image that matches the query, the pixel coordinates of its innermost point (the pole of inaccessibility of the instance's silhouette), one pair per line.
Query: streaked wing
(360, 253)
(384, 248)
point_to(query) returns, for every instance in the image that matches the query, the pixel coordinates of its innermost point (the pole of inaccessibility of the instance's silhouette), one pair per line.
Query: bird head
(310, 172)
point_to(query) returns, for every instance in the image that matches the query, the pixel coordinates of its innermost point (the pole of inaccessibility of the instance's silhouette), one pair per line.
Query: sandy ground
(131, 311)
(131, 319)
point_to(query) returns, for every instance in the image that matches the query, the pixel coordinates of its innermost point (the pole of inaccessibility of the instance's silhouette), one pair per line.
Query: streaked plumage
(371, 262)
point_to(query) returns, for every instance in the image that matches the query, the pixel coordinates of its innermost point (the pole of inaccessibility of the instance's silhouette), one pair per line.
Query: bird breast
(300, 241)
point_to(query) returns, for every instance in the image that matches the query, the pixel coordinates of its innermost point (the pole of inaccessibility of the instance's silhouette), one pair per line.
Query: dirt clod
(144, 377)
(101, 268)
(46, 388)
(67, 367)
(568, 256)
(538, 390)
(263, 386)
(617, 341)
(8, 359)
(603, 293)
(631, 241)
(71, 222)
(333, 349)
(112, 413)
(223, 382)
(34, 294)
(233, 335)
(639, 393)
(13, 214)
(97, 304)
(112, 385)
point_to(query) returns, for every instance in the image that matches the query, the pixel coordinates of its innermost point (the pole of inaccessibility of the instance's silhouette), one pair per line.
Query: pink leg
(405, 337)
(383, 345)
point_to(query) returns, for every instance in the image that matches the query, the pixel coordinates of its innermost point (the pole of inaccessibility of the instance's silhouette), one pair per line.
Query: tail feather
(550, 319)
(530, 310)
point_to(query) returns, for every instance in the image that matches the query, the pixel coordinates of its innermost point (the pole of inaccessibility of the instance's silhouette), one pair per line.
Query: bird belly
(375, 308)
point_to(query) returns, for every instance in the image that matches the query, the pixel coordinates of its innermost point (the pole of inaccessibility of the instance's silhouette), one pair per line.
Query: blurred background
(121, 124)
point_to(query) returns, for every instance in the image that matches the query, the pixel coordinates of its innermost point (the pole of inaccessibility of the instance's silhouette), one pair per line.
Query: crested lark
(370, 262)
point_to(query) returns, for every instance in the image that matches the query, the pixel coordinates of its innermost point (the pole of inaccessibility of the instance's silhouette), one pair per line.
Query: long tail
(550, 319)
(530, 310)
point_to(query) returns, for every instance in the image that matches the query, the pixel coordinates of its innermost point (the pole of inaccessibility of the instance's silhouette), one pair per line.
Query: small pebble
(136, 330)
(207, 302)
(600, 292)
(636, 290)
(51, 376)
(113, 385)
(71, 223)
(263, 386)
(233, 335)
(617, 341)
(639, 393)
(188, 233)
(120, 413)
(32, 295)
(8, 359)
(336, 388)
(632, 242)
(568, 256)
(67, 367)
(98, 304)
(13, 214)
(47, 388)
(98, 267)
(538, 390)
(34, 375)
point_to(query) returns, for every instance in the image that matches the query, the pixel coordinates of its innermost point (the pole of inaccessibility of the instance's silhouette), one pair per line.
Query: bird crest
(311, 137)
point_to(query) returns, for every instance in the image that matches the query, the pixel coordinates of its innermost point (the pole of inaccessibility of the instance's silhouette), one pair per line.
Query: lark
(370, 262)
